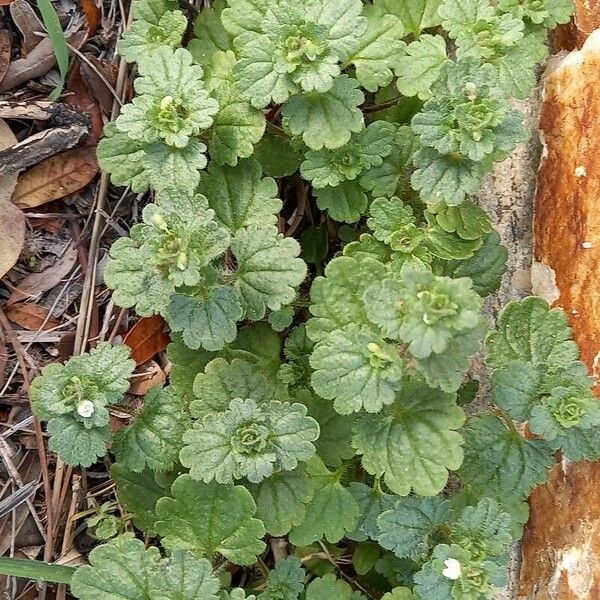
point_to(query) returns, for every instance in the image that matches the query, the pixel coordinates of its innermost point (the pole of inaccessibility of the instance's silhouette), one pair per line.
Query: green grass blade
(59, 44)
(36, 569)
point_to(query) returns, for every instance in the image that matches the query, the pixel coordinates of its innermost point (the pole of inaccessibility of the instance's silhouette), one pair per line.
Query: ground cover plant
(313, 440)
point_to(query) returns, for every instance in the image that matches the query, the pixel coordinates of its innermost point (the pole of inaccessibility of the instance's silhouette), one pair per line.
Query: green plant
(333, 416)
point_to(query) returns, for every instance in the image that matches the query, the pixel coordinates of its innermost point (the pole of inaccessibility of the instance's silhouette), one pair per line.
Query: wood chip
(40, 146)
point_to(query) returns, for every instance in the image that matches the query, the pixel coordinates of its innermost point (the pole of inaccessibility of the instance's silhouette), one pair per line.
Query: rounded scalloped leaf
(268, 269)
(414, 443)
(357, 369)
(231, 531)
(249, 441)
(337, 297)
(326, 120)
(222, 381)
(240, 195)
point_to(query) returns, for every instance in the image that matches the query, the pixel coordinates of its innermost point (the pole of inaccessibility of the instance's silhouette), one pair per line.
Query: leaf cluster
(316, 412)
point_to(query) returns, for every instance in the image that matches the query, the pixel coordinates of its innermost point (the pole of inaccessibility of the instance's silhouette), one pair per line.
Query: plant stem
(382, 105)
(277, 130)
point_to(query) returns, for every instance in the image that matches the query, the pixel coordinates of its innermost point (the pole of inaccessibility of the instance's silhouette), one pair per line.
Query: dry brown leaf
(12, 236)
(56, 177)
(17, 528)
(45, 280)
(92, 14)
(79, 96)
(147, 338)
(37, 63)
(29, 25)
(12, 220)
(146, 377)
(48, 225)
(4, 52)
(94, 74)
(31, 316)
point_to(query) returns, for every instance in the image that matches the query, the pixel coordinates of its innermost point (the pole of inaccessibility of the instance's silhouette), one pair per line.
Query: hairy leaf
(237, 125)
(153, 440)
(328, 587)
(484, 528)
(232, 531)
(331, 513)
(268, 271)
(529, 330)
(415, 14)
(413, 443)
(502, 462)
(345, 202)
(124, 569)
(420, 68)
(409, 527)
(357, 369)
(337, 297)
(249, 441)
(365, 149)
(391, 177)
(118, 570)
(206, 318)
(277, 156)
(333, 445)
(286, 580)
(379, 48)
(240, 196)
(222, 381)
(281, 500)
(372, 502)
(485, 268)
(326, 120)
(210, 35)
(143, 36)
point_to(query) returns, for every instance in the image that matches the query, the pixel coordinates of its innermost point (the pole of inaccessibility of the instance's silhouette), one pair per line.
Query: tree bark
(586, 19)
(561, 545)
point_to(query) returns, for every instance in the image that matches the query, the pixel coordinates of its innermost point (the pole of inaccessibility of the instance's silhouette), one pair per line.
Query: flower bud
(166, 102)
(158, 221)
(471, 90)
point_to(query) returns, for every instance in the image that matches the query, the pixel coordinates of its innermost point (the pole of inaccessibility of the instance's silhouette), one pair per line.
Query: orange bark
(561, 546)
(585, 19)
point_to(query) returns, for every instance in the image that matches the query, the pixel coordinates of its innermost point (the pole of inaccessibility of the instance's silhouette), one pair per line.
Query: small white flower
(452, 570)
(85, 408)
